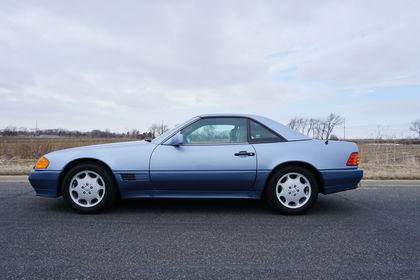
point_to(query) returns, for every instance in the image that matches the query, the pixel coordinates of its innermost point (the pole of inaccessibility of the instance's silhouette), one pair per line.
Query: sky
(123, 65)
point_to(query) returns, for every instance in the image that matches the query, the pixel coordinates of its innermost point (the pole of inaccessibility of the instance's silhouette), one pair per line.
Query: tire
(89, 188)
(292, 190)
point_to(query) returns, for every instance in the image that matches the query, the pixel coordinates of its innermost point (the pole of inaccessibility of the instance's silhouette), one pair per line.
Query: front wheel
(292, 190)
(88, 188)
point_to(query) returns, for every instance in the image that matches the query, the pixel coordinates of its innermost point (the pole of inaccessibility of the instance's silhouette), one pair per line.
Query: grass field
(389, 161)
(19, 154)
(380, 161)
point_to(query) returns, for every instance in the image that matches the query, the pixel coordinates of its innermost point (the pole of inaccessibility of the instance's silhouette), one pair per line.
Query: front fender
(128, 156)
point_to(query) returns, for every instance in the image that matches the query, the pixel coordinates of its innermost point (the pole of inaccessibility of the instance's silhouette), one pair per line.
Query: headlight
(42, 163)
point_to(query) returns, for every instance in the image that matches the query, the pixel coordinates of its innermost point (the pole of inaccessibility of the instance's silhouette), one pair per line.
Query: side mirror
(176, 140)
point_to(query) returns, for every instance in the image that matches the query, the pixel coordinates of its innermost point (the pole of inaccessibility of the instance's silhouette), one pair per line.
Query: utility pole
(344, 129)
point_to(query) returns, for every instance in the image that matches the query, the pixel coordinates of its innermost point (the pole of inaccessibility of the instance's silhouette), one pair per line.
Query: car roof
(286, 132)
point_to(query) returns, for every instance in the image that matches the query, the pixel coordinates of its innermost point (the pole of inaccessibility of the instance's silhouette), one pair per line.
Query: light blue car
(209, 156)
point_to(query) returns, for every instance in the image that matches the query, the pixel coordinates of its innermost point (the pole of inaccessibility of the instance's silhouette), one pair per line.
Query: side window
(262, 134)
(216, 131)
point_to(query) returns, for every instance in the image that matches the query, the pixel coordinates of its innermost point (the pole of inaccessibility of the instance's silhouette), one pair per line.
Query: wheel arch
(75, 162)
(306, 165)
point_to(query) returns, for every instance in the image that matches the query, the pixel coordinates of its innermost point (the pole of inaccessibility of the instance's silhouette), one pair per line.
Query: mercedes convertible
(209, 156)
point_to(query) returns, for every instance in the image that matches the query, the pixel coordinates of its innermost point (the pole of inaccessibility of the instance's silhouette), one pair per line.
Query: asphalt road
(369, 233)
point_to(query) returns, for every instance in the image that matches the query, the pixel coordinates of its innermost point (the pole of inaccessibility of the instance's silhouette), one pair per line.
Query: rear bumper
(340, 180)
(45, 183)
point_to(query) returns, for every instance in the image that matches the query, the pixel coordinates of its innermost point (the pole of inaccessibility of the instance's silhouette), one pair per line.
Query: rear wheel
(292, 190)
(89, 188)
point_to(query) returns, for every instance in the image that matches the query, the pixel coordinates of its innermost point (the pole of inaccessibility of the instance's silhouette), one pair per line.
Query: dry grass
(32, 148)
(16, 166)
(390, 161)
(19, 154)
(380, 161)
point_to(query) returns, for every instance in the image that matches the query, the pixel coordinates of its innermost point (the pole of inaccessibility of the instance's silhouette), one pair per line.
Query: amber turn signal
(353, 159)
(42, 163)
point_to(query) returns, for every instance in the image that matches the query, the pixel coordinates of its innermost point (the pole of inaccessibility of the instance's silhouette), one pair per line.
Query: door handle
(244, 153)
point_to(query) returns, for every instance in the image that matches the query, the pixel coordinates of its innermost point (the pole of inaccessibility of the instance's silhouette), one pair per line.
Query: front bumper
(45, 183)
(340, 179)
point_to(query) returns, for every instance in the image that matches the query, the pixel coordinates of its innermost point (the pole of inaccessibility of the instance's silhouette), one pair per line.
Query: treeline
(322, 128)
(403, 141)
(154, 131)
(59, 132)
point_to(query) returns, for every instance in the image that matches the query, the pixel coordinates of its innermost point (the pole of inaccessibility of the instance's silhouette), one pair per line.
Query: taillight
(353, 159)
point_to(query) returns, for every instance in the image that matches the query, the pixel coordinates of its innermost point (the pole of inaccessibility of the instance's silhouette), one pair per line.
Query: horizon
(374, 131)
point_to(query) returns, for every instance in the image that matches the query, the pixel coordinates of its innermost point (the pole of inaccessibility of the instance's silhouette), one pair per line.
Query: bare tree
(331, 122)
(158, 129)
(383, 132)
(318, 128)
(134, 133)
(311, 124)
(153, 129)
(298, 124)
(292, 123)
(10, 131)
(323, 129)
(415, 127)
(379, 132)
(303, 123)
(162, 128)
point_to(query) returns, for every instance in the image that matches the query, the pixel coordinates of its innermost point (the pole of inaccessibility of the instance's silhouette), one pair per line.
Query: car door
(215, 156)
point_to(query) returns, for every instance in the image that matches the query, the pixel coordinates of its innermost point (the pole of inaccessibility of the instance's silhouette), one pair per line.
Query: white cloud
(127, 64)
(389, 107)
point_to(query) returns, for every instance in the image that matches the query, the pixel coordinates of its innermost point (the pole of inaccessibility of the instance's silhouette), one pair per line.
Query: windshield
(162, 137)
